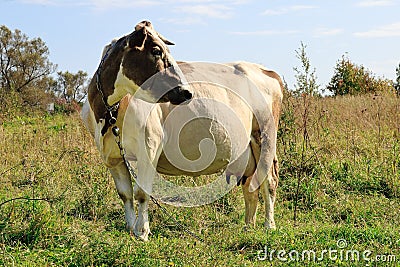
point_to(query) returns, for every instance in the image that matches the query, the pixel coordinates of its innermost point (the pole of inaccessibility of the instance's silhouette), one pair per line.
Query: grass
(340, 168)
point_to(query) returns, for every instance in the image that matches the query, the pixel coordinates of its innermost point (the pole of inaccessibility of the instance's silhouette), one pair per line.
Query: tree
(353, 79)
(71, 87)
(306, 80)
(24, 66)
(397, 83)
(306, 87)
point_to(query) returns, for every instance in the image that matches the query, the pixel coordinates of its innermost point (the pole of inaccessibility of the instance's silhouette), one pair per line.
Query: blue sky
(266, 32)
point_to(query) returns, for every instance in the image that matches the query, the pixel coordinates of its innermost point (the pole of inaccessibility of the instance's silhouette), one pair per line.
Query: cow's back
(267, 81)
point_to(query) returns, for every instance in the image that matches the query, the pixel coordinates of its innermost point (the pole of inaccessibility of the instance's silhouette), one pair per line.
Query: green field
(339, 169)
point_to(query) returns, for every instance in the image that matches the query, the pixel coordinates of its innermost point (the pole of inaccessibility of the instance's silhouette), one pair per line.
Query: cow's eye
(156, 52)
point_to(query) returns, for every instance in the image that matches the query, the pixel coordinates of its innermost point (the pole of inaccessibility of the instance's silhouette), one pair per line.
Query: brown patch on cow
(132, 53)
(123, 106)
(108, 74)
(277, 101)
(274, 75)
(140, 43)
(276, 111)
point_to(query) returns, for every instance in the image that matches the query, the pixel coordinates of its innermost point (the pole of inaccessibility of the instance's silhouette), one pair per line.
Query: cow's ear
(165, 40)
(137, 39)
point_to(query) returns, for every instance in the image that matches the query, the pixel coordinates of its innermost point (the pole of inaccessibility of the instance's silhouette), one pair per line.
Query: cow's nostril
(187, 95)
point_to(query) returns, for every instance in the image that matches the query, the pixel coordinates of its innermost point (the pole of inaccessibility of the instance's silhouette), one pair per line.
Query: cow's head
(144, 67)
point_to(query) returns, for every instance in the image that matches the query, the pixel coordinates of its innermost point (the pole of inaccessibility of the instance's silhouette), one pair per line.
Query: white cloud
(210, 8)
(323, 32)
(213, 10)
(37, 2)
(286, 10)
(375, 3)
(106, 4)
(391, 30)
(196, 12)
(190, 1)
(233, 2)
(97, 4)
(185, 21)
(301, 7)
(264, 33)
(45, 2)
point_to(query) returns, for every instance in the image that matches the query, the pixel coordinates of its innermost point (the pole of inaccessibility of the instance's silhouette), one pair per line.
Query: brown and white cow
(236, 106)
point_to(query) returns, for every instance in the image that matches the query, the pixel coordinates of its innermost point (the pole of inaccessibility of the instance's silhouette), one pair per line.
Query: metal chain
(179, 224)
(116, 132)
(114, 107)
(132, 172)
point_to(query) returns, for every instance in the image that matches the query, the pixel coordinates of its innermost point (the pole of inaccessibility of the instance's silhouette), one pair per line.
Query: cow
(211, 117)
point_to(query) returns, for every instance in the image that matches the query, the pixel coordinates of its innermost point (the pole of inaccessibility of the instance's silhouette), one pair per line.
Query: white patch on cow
(98, 137)
(94, 128)
(87, 117)
(123, 85)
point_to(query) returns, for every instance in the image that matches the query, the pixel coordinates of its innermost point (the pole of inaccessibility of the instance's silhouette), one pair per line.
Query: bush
(353, 79)
(64, 107)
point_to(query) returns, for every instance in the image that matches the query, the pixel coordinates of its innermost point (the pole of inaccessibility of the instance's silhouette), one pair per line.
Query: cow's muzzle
(178, 95)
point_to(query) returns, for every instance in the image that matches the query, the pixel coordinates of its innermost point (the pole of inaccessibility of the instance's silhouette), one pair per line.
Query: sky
(264, 32)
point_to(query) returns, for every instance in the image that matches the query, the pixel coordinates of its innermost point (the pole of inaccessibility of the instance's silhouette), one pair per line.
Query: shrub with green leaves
(350, 78)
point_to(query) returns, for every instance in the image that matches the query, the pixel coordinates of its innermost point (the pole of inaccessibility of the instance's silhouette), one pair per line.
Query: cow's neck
(103, 94)
(103, 113)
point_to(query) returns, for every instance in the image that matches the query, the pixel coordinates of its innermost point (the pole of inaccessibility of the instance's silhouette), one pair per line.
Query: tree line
(29, 81)
(349, 78)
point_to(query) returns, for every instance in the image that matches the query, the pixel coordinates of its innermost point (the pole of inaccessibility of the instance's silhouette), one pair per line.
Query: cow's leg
(142, 226)
(142, 191)
(250, 201)
(268, 191)
(251, 195)
(122, 180)
(143, 188)
(269, 184)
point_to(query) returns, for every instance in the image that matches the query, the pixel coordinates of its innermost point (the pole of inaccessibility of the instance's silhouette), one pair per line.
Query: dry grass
(344, 151)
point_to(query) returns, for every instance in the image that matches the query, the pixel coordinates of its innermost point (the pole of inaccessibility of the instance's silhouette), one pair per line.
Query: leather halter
(112, 110)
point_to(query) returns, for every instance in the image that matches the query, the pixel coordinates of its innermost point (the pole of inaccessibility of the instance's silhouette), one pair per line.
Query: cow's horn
(165, 40)
(144, 23)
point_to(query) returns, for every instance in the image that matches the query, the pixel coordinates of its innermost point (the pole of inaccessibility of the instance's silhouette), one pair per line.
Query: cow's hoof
(144, 238)
(142, 233)
(270, 225)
